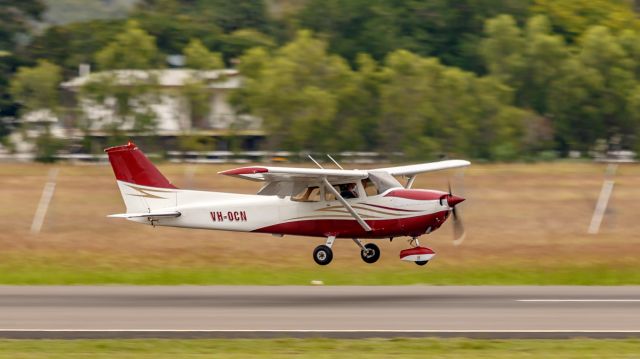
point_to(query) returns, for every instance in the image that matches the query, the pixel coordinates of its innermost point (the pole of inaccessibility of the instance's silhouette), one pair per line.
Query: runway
(336, 311)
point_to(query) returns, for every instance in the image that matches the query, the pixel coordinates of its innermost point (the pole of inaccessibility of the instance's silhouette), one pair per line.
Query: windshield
(383, 180)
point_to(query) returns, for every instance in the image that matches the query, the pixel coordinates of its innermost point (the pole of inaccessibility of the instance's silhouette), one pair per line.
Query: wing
(292, 174)
(413, 170)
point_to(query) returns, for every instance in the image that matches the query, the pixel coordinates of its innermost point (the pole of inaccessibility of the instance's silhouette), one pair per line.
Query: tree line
(489, 79)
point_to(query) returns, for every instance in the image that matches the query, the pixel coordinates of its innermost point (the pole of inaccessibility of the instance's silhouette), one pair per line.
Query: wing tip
(244, 171)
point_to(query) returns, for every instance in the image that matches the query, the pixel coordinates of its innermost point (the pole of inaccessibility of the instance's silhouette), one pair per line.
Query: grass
(526, 224)
(406, 274)
(320, 348)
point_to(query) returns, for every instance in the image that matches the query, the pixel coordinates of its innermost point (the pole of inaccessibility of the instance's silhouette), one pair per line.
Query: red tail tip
(128, 147)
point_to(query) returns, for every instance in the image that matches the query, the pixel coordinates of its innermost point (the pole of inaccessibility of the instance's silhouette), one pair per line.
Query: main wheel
(371, 253)
(421, 263)
(322, 255)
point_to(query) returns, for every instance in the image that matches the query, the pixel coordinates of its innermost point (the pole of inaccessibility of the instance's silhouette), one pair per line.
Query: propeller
(458, 228)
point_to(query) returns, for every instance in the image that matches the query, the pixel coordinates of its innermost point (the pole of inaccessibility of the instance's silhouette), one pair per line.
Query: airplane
(314, 202)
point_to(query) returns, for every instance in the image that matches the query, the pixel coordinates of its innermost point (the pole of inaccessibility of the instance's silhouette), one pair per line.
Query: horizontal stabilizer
(146, 214)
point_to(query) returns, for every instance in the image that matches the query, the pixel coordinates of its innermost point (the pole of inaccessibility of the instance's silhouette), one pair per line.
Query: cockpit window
(369, 187)
(346, 190)
(309, 194)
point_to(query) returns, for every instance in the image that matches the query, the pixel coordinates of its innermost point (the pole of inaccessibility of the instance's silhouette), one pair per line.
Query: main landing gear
(323, 253)
(370, 253)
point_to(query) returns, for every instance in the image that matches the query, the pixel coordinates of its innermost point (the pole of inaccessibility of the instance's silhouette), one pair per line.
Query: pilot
(348, 190)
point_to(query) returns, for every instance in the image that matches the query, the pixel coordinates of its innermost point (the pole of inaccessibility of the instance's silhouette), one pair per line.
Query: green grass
(321, 348)
(405, 274)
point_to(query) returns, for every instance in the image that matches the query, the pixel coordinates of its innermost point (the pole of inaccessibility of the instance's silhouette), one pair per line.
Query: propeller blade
(459, 233)
(458, 228)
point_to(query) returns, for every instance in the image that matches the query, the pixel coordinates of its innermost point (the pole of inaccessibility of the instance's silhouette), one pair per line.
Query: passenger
(348, 191)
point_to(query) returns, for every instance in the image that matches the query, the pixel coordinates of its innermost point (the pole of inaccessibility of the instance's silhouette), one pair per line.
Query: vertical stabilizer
(141, 184)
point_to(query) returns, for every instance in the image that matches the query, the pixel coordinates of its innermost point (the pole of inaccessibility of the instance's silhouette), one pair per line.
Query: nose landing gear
(418, 255)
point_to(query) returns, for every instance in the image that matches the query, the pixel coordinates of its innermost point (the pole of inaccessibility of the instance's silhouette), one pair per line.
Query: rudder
(141, 184)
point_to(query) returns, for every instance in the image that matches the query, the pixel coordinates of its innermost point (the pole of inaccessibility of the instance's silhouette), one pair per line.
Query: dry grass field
(526, 224)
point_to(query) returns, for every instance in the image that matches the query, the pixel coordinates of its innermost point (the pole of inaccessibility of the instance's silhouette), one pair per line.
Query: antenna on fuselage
(314, 161)
(334, 161)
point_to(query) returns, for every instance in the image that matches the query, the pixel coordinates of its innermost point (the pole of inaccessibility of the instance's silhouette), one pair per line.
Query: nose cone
(453, 200)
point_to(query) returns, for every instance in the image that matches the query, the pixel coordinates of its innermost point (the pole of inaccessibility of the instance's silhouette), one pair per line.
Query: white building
(170, 108)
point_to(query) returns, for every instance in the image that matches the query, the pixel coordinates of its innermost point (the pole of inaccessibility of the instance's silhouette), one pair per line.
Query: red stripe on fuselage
(349, 228)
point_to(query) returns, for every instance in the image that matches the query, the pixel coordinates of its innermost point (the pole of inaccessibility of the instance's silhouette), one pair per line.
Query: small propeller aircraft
(328, 203)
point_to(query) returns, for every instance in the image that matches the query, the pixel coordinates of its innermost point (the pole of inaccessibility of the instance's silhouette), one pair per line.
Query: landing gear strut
(323, 253)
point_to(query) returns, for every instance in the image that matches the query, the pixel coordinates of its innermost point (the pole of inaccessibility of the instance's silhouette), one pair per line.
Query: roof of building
(220, 79)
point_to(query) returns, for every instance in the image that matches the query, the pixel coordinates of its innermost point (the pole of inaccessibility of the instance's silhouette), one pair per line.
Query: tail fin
(143, 187)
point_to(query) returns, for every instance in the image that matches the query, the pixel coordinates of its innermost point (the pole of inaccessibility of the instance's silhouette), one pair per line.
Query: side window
(369, 188)
(309, 194)
(346, 190)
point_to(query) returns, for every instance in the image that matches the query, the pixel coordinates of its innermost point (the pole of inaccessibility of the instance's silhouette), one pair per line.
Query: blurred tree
(227, 15)
(571, 18)
(359, 108)
(527, 61)
(296, 92)
(17, 18)
(223, 26)
(447, 29)
(428, 108)
(37, 87)
(199, 57)
(233, 45)
(503, 50)
(589, 101)
(545, 54)
(73, 44)
(8, 107)
(47, 146)
(131, 49)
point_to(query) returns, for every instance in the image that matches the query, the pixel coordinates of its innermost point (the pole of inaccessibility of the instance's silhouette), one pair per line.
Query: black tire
(322, 255)
(421, 263)
(371, 254)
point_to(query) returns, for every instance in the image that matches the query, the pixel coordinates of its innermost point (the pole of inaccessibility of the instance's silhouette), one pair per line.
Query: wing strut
(410, 182)
(346, 205)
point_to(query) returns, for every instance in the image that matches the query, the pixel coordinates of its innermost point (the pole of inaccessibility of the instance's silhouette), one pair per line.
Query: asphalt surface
(344, 311)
